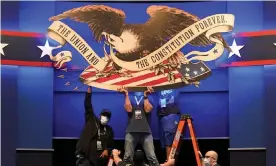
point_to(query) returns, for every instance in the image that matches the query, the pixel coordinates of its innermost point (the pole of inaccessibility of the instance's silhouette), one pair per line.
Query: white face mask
(206, 161)
(104, 120)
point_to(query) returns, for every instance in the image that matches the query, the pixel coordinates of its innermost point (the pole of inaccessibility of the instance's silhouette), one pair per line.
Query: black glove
(81, 158)
(83, 162)
(79, 152)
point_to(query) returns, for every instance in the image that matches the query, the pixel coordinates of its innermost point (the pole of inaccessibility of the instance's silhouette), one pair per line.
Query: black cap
(106, 112)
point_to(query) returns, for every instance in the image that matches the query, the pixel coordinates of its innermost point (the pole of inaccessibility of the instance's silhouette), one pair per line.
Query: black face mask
(138, 157)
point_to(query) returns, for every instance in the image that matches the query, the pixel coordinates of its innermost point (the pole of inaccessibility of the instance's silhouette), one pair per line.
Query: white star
(1, 49)
(187, 69)
(235, 49)
(274, 44)
(46, 49)
(187, 75)
(195, 72)
(202, 69)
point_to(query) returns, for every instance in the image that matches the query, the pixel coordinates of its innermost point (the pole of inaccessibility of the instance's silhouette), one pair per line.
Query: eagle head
(126, 43)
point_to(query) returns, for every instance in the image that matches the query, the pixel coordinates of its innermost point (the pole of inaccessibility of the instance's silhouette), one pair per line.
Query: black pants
(99, 161)
(93, 162)
(102, 161)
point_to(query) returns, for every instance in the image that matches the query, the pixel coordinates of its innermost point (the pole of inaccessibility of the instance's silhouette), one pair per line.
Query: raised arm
(128, 106)
(147, 105)
(89, 112)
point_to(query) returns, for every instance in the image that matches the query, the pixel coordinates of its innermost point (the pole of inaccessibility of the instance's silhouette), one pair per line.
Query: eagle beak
(106, 35)
(103, 34)
(107, 39)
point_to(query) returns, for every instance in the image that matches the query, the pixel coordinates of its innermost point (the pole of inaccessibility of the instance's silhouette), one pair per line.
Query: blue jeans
(146, 140)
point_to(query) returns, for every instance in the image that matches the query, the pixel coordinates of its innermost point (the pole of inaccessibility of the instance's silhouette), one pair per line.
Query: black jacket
(87, 143)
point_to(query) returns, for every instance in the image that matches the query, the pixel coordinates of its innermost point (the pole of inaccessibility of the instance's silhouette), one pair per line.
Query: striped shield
(139, 80)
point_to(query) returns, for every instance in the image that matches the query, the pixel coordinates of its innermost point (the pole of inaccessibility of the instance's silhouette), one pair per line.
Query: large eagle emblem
(134, 41)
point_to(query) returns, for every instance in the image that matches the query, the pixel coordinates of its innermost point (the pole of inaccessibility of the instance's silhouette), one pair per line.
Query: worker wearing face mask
(96, 138)
(210, 159)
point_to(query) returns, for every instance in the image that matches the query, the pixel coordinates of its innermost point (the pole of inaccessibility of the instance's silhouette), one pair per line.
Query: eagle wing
(166, 22)
(99, 18)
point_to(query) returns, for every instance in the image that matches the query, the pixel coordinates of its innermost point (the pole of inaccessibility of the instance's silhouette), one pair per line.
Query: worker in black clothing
(96, 138)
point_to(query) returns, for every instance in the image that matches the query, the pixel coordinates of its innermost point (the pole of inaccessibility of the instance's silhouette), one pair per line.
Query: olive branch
(170, 67)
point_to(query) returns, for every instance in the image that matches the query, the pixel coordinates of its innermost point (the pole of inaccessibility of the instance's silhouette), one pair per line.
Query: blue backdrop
(231, 103)
(8, 114)
(35, 107)
(27, 98)
(270, 113)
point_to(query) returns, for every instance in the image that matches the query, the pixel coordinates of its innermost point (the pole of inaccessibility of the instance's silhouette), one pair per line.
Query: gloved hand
(81, 159)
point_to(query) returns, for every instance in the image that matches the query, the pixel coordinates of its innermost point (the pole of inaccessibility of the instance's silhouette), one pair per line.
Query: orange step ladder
(184, 119)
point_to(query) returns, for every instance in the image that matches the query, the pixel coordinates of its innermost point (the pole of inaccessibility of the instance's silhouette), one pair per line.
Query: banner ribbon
(211, 25)
(61, 58)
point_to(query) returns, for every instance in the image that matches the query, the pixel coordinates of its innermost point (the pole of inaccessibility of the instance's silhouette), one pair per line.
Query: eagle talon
(113, 71)
(123, 73)
(160, 69)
